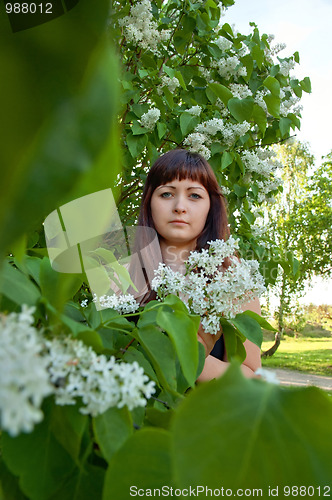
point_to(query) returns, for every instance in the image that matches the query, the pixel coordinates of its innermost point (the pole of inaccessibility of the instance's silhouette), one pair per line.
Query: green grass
(305, 354)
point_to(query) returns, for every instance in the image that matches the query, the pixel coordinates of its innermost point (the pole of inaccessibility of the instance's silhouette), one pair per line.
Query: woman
(182, 201)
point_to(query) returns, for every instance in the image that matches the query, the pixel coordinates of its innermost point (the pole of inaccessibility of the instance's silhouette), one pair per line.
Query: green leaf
(296, 87)
(132, 354)
(75, 116)
(188, 122)
(240, 191)
(295, 120)
(161, 354)
(30, 266)
(112, 429)
(226, 160)
(162, 129)
(85, 483)
(122, 272)
(249, 216)
(169, 97)
(258, 55)
(284, 126)
(91, 338)
(273, 85)
(221, 91)
(179, 76)
(9, 485)
(263, 323)
(306, 84)
(137, 128)
(252, 434)
(175, 303)
(241, 109)
(248, 63)
(136, 144)
(182, 331)
(80, 330)
(259, 117)
(233, 344)
(159, 418)
(38, 459)
(17, 286)
(273, 104)
(296, 266)
(57, 287)
(68, 426)
(142, 464)
(249, 327)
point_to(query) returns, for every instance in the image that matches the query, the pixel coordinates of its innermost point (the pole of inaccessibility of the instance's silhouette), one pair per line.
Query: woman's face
(179, 210)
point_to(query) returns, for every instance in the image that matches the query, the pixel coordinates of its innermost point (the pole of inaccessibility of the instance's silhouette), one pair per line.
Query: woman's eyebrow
(174, 187)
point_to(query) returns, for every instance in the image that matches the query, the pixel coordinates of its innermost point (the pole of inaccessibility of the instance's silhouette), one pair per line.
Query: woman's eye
(195, 196)
(166, 195)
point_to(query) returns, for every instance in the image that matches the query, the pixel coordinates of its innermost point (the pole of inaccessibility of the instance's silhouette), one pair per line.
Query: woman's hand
(207, 339)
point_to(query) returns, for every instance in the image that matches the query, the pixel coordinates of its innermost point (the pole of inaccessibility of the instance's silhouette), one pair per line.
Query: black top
(218, 350)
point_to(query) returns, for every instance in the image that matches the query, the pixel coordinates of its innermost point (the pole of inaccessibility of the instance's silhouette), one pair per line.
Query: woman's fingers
(207, 339)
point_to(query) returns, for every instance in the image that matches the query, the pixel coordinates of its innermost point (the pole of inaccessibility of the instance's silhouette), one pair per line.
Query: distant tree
(314, 224)
(299, 224)
(297, 161)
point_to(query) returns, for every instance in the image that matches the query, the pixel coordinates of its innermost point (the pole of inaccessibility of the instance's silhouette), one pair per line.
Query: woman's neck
(175, 256)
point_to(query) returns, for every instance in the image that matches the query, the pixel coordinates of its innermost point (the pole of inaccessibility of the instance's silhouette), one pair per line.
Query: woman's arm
(214, 367)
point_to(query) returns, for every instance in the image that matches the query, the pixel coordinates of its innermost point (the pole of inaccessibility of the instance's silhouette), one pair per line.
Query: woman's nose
(179, 206)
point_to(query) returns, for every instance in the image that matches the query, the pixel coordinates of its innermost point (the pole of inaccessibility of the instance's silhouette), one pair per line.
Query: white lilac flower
(286, 66)
(206, 74)
(278, 47)
(171, 83)
(223, 43)
(230, 132)
(197, 144)
(173, 279)
(84, 303)
(290, 106)
(225, 190)
(124, 304)
(80, 374)
(141, 28)
(259, 99)
(24, 381)
(194, 110)
(230, 66)
(240, 91)
(267, 375)
(208, 289)
(256, 162)
(149, 119)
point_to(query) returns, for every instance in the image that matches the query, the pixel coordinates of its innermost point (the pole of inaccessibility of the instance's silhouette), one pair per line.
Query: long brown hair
(181, 164)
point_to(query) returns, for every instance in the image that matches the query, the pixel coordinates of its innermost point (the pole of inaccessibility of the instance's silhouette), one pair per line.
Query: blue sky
(305, 26)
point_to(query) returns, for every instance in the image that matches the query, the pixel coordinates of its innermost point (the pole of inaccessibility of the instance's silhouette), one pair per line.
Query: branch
(271, 143)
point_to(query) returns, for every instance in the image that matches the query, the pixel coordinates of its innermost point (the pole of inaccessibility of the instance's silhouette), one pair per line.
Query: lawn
(313, 355)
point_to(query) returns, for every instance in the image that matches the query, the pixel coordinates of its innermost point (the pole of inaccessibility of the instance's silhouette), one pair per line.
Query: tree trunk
(272, 350)
(278, 335)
